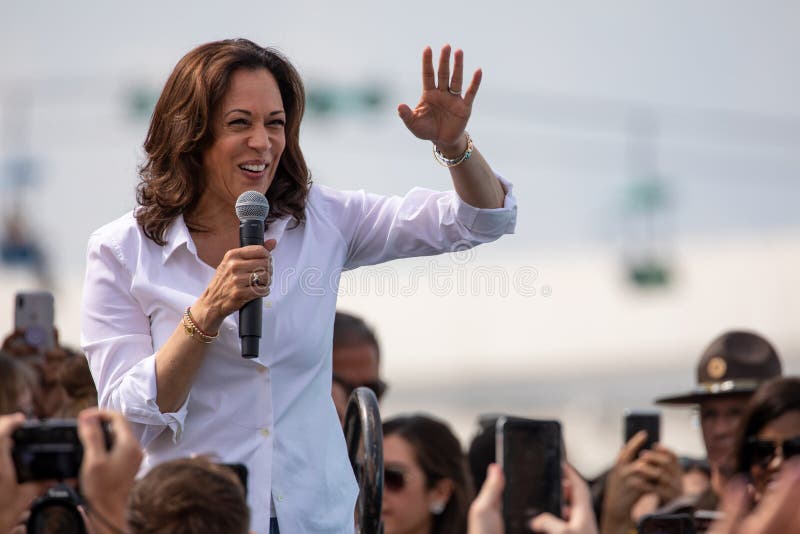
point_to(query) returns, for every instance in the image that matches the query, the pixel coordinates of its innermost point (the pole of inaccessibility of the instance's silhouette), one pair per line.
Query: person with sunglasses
(770, 433)
(426, 486)
(356, 360)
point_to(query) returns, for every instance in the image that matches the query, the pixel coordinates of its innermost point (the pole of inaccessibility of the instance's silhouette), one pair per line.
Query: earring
(437, 507)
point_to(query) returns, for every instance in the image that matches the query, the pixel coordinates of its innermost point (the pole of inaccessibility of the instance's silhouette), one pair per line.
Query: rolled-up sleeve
(117, 341)
(421, 223)
(489, 222)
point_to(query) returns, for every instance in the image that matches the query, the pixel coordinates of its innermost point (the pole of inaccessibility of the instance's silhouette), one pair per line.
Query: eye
(238, 122)
(277, 122)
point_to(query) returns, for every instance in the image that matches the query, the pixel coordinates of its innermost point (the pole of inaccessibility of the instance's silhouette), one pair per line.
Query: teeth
(254, 168)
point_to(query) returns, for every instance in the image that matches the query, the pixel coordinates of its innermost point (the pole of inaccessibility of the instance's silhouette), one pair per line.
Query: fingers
(124, 440)
(91, 436)
(492, 488)
(548, 523)
(631, 449)
(444, 68)
(472, 90)
(251, 252)
(428, 78)
(581, 498)
(733, 506)
(457, 81)
(9, 423)
(125, 447)
(780, 505)
(405, 114)
(485, 514)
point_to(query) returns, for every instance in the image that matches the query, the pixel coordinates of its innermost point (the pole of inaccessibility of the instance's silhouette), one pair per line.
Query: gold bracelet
(452, 162)
(192, 330)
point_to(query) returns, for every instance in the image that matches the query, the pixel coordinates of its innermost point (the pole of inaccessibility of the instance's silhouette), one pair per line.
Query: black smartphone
(49, 450)
(666, 524)
(530, 453)
(241, 473)
(649, 420)
(703, 519)
(33, 315)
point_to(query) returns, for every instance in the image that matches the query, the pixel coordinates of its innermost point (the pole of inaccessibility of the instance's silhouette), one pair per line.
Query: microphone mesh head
(252, 205)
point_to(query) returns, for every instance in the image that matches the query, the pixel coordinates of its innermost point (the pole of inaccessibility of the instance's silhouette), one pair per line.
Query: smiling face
(719, 420)
(248, 133)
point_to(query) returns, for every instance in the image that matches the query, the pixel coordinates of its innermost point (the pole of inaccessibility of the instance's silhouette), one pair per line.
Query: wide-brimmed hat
(735, 363)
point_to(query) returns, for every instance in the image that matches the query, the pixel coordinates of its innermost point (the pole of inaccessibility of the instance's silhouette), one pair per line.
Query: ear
(440, 493)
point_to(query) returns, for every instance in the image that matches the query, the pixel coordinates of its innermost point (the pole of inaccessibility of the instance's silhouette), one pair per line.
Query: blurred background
(654, 149)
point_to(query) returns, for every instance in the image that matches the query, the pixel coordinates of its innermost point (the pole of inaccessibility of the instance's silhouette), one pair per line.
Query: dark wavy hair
(770, 401)
(172, 177)
(440, 456)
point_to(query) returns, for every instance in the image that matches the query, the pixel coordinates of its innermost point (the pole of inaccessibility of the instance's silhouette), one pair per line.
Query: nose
(259, 139)
(777, 459)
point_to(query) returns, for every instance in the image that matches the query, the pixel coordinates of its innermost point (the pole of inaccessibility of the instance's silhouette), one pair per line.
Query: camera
(56, 511)
(49, 450)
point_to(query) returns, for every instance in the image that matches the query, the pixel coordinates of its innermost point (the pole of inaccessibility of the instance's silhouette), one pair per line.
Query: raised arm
(441, 117)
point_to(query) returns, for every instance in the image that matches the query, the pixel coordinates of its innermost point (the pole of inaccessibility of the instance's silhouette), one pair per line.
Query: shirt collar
(177, 235)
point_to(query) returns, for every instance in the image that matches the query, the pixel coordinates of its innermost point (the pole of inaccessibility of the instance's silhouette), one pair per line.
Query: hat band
(729, 385)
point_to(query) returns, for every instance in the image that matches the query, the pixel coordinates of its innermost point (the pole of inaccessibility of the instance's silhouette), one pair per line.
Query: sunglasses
(393, 479)
(378, 387)
(763, 451)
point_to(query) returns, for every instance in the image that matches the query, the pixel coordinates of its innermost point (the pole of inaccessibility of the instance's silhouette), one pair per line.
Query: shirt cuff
(136, 398)
(490, 221)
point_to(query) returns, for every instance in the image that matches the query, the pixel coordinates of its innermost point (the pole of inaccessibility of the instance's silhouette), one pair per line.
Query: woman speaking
(164, 281)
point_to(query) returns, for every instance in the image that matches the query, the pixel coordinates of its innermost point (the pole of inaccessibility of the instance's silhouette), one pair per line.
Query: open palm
(442, 113)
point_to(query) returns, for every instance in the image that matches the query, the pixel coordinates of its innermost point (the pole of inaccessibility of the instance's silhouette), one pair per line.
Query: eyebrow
(276, 112)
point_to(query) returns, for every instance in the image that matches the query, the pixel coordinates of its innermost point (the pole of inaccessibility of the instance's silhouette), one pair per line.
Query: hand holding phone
(647, 420)
(530, 454)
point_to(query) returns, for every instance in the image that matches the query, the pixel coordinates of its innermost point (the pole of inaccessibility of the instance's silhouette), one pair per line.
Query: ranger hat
(735, 363)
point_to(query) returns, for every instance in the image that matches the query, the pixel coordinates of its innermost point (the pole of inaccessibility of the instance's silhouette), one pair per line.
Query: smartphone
(33, 315)
(530, 453)
(666, 524)
(703, 519)
(649, 420)
(49, 450)
(241, 473)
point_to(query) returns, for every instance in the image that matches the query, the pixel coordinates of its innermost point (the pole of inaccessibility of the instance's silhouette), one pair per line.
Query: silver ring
(254, 279)
(455, 93)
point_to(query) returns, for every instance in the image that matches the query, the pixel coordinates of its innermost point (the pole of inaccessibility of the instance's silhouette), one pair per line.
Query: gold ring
(454, 93)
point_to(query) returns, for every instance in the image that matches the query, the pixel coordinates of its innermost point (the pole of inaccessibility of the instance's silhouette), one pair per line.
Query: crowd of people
(749, 417)
(181, 433)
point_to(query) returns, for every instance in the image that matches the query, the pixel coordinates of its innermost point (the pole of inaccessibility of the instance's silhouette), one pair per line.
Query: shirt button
(262, 369)
(267, 304)
(265, 432)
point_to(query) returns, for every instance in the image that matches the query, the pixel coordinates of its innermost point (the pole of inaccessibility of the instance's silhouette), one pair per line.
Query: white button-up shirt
(274, 413)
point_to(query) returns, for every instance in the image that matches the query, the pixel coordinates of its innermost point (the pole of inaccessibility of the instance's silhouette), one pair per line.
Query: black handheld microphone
(252, 209)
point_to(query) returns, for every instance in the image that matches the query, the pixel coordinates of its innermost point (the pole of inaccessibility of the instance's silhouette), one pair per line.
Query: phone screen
(529, 452)
(33, 315)
(667, 524)
(643, 420)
